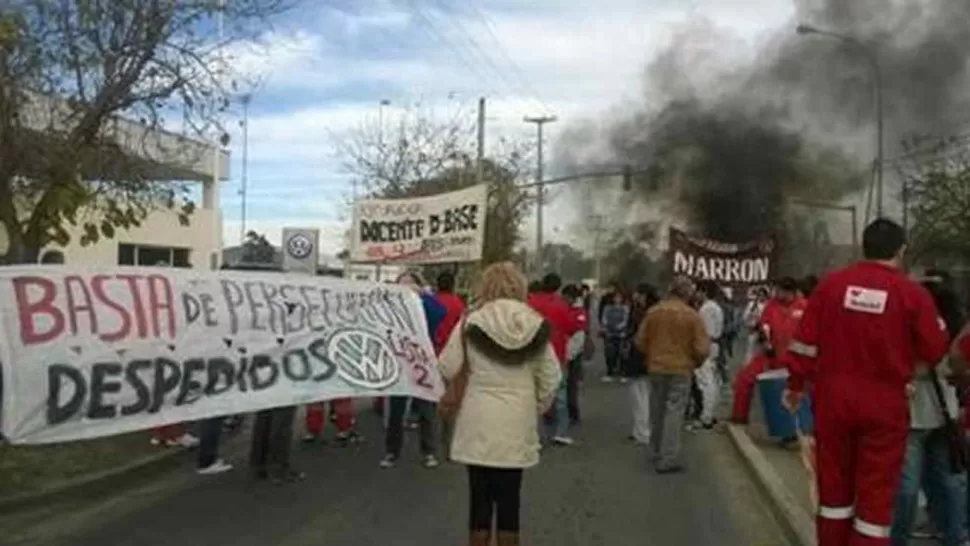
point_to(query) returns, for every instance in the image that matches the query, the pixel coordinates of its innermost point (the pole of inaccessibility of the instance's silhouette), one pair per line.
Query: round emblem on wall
(363, 359)
(299, 246)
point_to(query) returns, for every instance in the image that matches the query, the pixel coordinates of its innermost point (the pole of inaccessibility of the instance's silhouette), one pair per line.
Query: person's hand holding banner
(791, 400)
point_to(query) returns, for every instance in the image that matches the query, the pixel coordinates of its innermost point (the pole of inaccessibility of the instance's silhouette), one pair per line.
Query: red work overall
(780, 320)
(864, 329)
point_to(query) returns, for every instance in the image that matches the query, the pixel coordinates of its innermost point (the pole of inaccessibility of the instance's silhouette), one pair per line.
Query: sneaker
(624, 381)
(389, 461)
(563, 440)
(217, 467)
(430, 461)
(186, 440)
(155, 441)
(412, 425)
(606, 379)
(309, 438)
(344, 439)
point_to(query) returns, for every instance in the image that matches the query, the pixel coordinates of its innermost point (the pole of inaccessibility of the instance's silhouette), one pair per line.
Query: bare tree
(73, 75)
(936, 196)
(420, 155)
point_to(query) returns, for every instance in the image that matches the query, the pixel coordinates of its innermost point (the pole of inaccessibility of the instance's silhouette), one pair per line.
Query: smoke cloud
(733, 137)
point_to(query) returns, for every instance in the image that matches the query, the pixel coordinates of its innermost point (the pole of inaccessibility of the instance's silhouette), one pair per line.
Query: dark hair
(882, 239)
(572, 291)
(788, 284)
(709, 288)
(948, 305)
(551, 282)
(535, 286)
(649, 292)
(808, 285)
(446, 281)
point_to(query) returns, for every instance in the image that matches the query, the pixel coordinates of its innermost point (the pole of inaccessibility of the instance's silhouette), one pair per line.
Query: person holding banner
(434, 313)
(513, 375)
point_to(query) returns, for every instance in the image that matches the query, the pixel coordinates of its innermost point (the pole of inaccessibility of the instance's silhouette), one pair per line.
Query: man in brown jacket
(674, 342)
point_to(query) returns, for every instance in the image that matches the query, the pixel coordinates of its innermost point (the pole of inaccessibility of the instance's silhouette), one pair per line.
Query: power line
(490, 29)
(488, 61)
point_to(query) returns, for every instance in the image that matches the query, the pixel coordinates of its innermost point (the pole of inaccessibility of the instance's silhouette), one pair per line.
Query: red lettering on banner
(72, 284)
(28, 310)
(156, 284)
(97, 286)
(80, 306)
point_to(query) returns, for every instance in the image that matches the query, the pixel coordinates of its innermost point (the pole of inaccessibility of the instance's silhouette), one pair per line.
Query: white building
(160, 239)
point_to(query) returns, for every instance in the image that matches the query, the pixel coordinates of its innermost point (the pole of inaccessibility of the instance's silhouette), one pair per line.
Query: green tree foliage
(71, 72)
(256, 249)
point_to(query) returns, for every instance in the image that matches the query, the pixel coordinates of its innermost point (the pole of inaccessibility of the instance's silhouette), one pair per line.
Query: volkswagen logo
(299, 246)
(363, 359)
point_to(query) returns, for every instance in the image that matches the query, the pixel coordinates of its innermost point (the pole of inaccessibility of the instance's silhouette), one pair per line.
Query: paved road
(597, 492)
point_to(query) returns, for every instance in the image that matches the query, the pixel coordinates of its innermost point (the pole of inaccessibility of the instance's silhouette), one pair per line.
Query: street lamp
(873, 61)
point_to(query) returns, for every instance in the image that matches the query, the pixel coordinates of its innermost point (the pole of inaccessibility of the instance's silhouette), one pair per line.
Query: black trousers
(494, 494)
(394, 435)
(272, 440)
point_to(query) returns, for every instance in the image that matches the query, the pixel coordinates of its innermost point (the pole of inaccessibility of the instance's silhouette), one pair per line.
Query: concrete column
(210, 201)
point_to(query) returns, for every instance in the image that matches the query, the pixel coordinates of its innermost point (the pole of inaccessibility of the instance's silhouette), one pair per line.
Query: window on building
(147, 255)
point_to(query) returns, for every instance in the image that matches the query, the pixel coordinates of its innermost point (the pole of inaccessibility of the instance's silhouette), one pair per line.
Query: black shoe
(677, 469)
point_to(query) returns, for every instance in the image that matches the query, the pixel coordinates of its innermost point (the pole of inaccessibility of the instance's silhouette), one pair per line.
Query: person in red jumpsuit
(862, 334)
(777, 323)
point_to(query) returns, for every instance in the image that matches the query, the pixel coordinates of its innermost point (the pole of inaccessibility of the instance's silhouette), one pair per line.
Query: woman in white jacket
(513, 377)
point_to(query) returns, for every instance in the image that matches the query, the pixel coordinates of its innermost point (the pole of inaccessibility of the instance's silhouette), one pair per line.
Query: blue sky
(327, 65)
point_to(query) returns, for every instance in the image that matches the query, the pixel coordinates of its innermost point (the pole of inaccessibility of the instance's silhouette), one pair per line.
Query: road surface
(599, 491)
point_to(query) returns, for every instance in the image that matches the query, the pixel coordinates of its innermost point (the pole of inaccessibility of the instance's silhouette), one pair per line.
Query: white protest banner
(89, 353)
(448, 227)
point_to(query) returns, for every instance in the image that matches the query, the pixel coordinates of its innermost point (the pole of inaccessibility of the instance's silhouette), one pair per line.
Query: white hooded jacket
(513, 377)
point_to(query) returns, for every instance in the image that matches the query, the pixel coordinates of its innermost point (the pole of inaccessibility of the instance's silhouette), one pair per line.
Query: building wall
(159, 229)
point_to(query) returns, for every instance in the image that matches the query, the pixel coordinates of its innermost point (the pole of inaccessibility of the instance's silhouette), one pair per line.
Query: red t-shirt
(562, 320)
(454, 308)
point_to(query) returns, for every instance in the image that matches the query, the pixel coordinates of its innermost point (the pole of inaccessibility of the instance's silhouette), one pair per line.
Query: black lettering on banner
(460, 218)
(391, 232)
(190, 388)
(102, 383)
(318, 350)
(234, 299)
(220, 368)
(58, 411)
(254, 305)
(191, 307)
(142, 393)
(259, 381)
(167, 377)
(209, 309)
(241, 374)
(312, 308)
(293, 358)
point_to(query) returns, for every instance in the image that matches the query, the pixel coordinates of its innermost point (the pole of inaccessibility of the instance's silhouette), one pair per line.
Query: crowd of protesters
(513, 362)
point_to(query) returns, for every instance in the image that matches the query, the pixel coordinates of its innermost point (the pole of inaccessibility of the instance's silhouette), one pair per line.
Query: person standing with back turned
(863, 331)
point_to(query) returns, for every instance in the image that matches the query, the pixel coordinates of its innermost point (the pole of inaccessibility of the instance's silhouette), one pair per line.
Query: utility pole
(245, 165)
(539, 121)
(480, 163)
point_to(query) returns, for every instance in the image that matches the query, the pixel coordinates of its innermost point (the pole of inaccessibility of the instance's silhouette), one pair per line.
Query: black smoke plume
(736, 142)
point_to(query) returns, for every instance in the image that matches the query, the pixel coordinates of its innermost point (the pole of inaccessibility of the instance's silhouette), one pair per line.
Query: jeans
(210, 431)
(668, 404)
(573, 376)
(927, 464)
(495, 494)
(394, 435)
(556, 421)
(613, 351)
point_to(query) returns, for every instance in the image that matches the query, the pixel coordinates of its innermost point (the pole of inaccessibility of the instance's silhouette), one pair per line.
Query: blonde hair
(502, 280)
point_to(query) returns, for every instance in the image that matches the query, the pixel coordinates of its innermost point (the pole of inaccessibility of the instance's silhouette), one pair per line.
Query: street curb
(789, 511)
(92, 484)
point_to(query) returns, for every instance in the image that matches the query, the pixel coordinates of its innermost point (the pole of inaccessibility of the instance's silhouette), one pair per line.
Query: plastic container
(781, 423)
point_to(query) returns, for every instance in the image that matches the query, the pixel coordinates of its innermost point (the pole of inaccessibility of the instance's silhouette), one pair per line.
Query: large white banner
(448, 227)
(88, 353)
